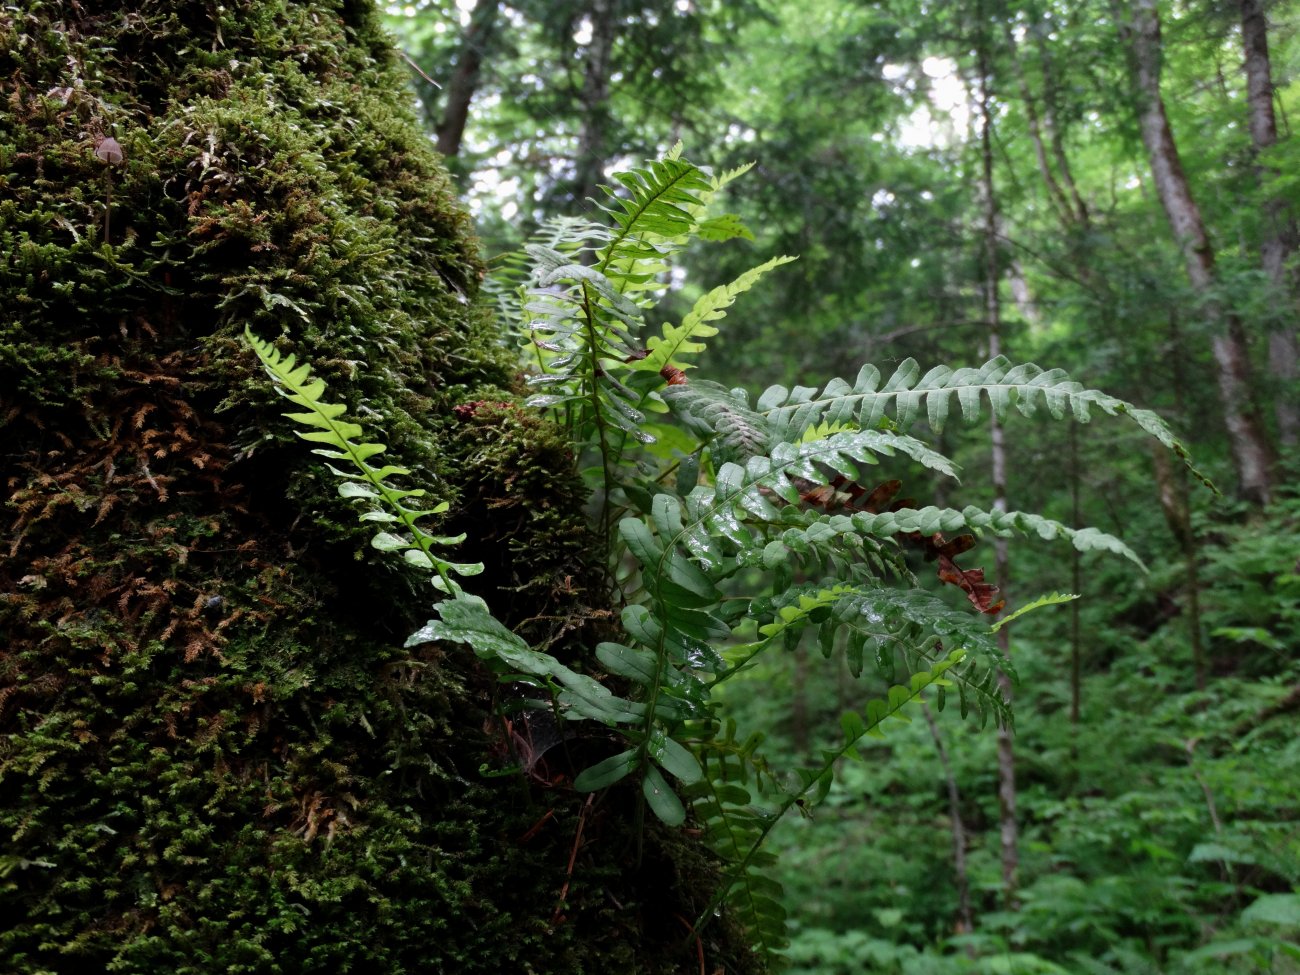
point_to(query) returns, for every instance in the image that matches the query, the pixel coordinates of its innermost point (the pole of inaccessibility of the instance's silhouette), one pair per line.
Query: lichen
(214, 753)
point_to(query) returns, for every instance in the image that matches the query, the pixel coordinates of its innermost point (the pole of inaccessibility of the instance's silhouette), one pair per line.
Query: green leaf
(604, 774)
(638, 666)
(1054, 599)
(725, 226)
(675, 758)
(1282, 909)
(663, 801)
(388, 542)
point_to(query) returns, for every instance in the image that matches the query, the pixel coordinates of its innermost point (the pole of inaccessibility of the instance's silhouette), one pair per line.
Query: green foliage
(725, 494)
(752, 504)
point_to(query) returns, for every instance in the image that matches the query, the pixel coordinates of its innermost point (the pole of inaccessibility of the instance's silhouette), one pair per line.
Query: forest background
(1108, 186)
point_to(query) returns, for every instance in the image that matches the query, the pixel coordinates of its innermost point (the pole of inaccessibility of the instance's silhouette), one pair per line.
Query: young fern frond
(327, 425)
(682, 340)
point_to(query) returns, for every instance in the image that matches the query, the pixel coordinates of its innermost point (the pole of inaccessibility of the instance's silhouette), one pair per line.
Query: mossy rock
(215, 755)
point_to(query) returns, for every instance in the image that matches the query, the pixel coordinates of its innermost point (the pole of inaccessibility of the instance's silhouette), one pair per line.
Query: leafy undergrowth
(1161, 834)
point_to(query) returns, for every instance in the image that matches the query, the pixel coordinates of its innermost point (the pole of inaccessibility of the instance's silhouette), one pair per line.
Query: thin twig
(418, 70)
(558, 916)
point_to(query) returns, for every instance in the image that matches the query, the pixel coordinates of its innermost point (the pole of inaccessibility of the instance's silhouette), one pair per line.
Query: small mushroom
(109, 150)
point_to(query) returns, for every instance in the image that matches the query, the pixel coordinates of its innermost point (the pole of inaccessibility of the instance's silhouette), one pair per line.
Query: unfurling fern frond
(387, 504)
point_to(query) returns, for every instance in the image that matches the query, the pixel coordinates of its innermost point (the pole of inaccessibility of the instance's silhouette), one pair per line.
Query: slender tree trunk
(1175, 502)
(965, 919)
(1010, 832)
(1177, 512)
(1252, 451)
(1054, 192)
(593, 141)
(464, 81)
(1279, 242)
(1076, 587)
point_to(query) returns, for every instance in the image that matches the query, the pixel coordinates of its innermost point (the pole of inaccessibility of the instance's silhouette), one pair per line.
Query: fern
(712, 491)
(463, 618)
(362, 481)
(866, 402)
(738, 832)
(684, 339)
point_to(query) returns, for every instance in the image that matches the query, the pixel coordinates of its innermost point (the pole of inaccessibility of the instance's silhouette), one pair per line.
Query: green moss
(214, 754)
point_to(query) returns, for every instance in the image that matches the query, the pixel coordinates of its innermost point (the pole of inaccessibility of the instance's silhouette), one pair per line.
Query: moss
(214, 754)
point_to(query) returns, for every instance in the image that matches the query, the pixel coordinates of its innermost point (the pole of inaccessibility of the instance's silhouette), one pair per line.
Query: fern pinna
(712, 506)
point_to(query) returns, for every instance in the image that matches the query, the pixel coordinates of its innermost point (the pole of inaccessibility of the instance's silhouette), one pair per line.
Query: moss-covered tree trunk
(214, 753)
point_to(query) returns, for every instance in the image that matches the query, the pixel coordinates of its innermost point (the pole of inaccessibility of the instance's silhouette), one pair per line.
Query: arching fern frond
(738, 832)
(387, 504)
(679, 341)
(866, 402)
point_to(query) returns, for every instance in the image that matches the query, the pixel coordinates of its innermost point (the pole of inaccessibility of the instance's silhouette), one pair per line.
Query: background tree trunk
(465, 79)
(593, 148)
(1251, 449)
(1279, 241)
(1010, 828)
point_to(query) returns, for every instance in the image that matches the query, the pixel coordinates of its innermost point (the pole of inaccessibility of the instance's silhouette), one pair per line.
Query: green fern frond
(662, 197)
(739, 889)
(1052, 599)
(328, 426)
(682, 340)
(720, 416)
(866, 402)
(876, 623)
(467, 619)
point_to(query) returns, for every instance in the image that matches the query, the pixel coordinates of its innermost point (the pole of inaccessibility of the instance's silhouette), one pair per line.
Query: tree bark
(965, 918)
(465, 79)
(1251, 447)
(1280, 234)
(1009, 828)
(593, 140)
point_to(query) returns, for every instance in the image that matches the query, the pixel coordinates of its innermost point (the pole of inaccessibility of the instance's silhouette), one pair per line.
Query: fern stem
(893, 705)
(589, 323)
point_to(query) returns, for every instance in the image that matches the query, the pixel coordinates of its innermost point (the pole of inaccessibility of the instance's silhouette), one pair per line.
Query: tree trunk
(464, 81)
(1053, 129)
(1174, 503)
(1252, 451)
(215, 752)
(1055, 195)
(965, 918)
(1076, 587)
(1280, 234)
(1010, 830)
(593, 141)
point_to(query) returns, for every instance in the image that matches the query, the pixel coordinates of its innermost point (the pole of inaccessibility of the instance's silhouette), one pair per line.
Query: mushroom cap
(109, 150)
